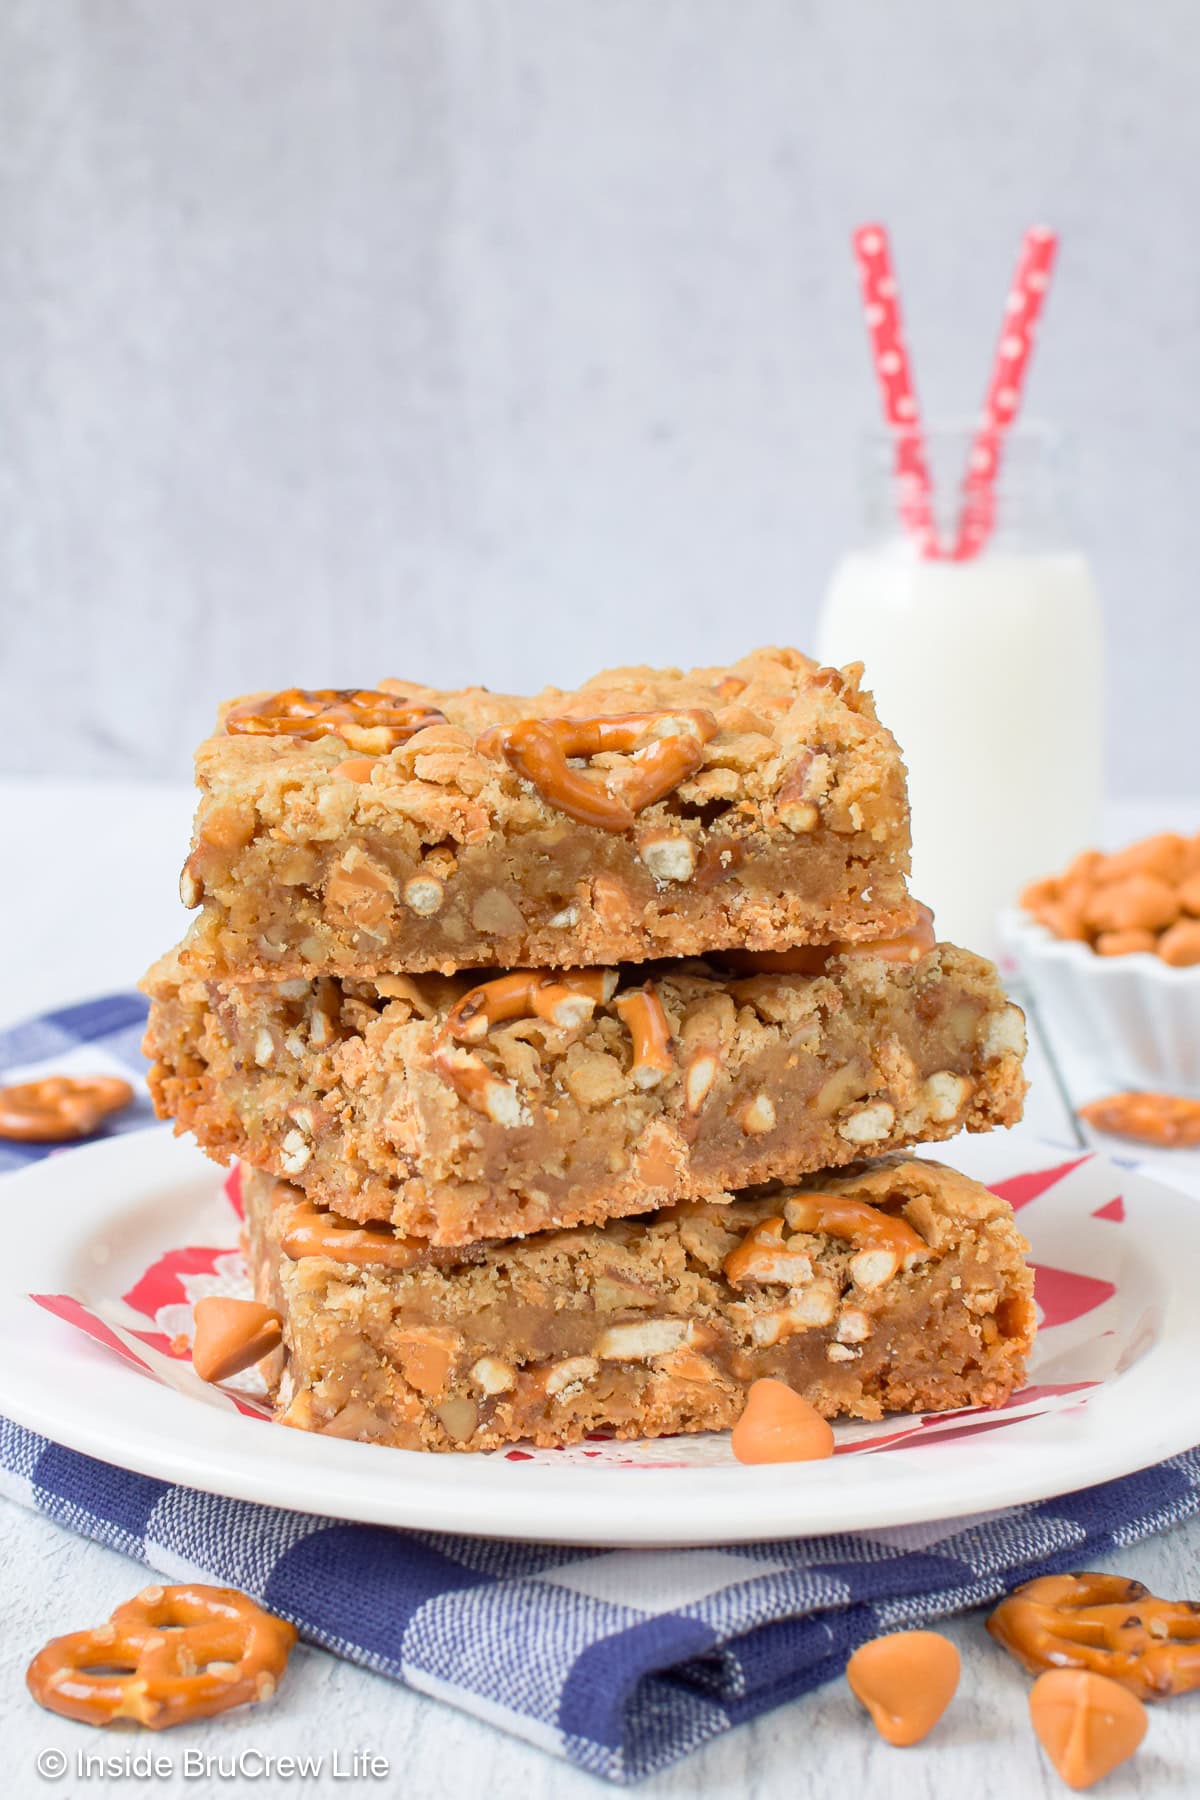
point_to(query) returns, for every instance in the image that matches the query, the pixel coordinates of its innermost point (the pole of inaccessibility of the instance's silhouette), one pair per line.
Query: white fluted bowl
(1135, 1016)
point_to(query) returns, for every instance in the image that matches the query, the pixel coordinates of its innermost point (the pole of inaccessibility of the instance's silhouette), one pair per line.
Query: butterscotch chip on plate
(646, 813)
(458, 1108)
(779, 1425)
(900, 1286)
(231, 1335)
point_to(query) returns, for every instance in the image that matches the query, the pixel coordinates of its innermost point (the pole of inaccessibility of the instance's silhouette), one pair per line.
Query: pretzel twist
(1105, 1623)
(60, 1106)
(664, 749)
(171, 1655)
(363, 717)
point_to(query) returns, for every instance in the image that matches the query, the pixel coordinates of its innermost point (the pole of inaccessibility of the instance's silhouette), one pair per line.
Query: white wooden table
(88, 900)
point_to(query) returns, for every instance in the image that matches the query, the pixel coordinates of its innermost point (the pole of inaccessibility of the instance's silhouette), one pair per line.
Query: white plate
(90, 1221)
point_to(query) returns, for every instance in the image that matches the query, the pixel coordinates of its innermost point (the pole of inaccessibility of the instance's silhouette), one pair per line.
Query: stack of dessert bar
(552, 1034)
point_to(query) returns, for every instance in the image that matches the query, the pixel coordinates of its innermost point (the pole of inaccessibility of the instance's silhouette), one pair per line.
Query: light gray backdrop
(505, 341)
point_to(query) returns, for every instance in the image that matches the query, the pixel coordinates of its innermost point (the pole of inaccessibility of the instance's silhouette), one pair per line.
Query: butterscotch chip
(1063, 920)
(1086, 1724)
(779, 1425)
(1169, 1120)
(906, 1681)
(1126, 943)
(1180, 946)
(231, 1335)
(1137, 903)
(1161, 857)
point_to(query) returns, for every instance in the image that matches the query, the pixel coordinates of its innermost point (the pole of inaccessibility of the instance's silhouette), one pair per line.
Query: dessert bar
(647, 813)
(457, 1108)
(896, 1286)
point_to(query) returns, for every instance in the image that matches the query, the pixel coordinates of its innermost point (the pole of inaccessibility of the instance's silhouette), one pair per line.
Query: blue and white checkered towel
(622, 1661)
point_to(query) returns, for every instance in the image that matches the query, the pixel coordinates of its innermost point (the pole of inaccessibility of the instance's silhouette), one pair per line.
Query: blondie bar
(900, 1286)
(647, 813)
(456, 1109)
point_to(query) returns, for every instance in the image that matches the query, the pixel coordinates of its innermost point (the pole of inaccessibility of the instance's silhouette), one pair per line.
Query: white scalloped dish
(1135, 1016)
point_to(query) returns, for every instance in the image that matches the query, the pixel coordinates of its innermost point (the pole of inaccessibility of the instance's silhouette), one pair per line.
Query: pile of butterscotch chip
(1146, 897)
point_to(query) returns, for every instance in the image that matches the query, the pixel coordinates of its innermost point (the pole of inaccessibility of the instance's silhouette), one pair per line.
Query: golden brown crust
(636, 1328)
(791, 827)
(345, 1088)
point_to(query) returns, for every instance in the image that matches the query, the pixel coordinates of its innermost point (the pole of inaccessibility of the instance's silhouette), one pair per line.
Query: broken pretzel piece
(814, 959)
(643, 1013)
(311, 1231)
(566, 997)
(664, 748)
(885, 1242)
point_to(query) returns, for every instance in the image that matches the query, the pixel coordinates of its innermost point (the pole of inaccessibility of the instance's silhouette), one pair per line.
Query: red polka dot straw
(881, 307)
(898, 390)
(1026, 297)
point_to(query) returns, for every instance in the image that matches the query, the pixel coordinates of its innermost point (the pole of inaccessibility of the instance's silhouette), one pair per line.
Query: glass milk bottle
(988, 670)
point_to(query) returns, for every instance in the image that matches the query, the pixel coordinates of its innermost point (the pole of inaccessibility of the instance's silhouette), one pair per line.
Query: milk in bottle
(989, 673)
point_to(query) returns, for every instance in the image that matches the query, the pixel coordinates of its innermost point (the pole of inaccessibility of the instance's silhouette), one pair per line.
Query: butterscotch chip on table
(1087, 1725)
(457, 1108)
(647, 813)
(897, 1287)
(906, 1680)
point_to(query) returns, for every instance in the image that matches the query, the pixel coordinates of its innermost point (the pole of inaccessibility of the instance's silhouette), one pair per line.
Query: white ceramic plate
(1115, 1383)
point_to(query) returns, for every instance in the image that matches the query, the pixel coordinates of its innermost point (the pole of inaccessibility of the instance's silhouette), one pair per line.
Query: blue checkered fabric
(621, 1661)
